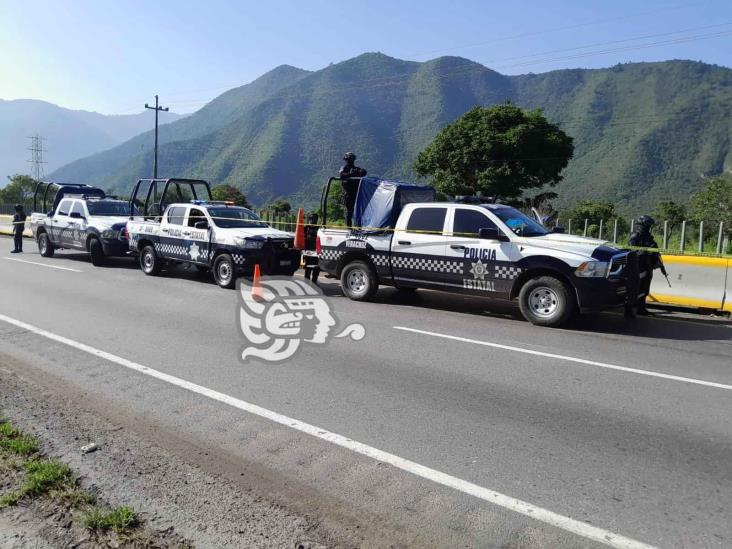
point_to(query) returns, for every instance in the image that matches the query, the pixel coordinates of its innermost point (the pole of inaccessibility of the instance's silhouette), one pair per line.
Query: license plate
(285, 263)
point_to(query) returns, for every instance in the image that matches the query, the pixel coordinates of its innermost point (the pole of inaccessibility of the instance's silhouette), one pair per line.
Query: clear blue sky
(113, 56)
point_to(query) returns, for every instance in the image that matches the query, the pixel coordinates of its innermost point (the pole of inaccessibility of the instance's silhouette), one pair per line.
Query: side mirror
(201, 225)
(76, 215)
(489, 233)
(559, 230)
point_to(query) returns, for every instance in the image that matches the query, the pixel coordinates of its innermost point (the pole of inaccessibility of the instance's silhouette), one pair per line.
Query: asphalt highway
(623, 426)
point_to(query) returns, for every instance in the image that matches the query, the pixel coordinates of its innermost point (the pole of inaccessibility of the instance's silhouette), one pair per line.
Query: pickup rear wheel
(150, 263)
(96, 252)
(45, 247)
(359, 281)
(223, 271)
(546, 301)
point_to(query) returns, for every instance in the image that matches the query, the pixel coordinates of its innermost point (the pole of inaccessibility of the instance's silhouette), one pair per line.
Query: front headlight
(592, 269)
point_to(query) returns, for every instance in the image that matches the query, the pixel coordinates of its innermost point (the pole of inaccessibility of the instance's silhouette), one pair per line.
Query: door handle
(404, 242)
(186, 233)
(457, 246)
(165, 230)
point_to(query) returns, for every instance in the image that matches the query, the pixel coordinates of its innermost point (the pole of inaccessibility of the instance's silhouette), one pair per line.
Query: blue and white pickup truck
(490, 250)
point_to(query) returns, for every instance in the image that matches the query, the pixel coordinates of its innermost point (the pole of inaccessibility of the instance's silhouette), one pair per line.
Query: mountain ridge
(70, 133)
(643, 131)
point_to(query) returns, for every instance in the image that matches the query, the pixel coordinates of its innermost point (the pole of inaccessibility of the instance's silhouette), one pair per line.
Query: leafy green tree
(713, 203)
(280, 206)
(500, 150)
(229, 193)
(593, 212)
(19, 191)
(670, 211)
(336, 211)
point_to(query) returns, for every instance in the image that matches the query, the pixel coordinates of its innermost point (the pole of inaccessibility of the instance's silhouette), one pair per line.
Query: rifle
(663, 270)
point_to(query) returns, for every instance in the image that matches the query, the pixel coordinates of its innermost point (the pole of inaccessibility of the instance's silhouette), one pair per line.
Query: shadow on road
(662, 325)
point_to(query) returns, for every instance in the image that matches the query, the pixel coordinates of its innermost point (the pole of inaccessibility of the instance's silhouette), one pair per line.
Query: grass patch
(16, 442)
(119, 519)
(41, 477)
(44, 475)
(73, 497)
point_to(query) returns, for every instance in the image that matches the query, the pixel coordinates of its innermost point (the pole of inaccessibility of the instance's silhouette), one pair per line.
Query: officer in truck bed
(350, 175)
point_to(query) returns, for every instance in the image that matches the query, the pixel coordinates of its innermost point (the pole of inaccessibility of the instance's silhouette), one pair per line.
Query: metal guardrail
(685, 236)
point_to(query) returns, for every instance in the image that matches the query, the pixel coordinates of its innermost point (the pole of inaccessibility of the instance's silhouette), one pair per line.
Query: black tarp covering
(379, 201)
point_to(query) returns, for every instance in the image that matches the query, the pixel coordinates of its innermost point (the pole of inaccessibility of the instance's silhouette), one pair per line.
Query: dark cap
(349, 156)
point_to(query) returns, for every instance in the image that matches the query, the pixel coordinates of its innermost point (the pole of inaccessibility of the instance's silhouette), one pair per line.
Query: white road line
(570, 359)
(43, 265)
(537, 513)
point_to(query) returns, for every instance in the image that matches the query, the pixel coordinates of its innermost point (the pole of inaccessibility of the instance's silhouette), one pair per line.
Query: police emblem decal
(479, 270)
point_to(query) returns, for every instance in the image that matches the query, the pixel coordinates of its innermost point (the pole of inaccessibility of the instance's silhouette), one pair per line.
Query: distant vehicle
(410, 241)
(180, 223)
(79, 217)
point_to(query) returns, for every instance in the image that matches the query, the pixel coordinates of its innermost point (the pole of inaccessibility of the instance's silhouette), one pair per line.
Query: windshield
(519, 223)
(235, 218)
(108, 207)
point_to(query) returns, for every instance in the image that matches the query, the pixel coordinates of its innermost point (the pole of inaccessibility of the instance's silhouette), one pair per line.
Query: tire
(96, 252)
(150, 263)
(223, 271)
(546, 301)
(45, 246)
(359, 281)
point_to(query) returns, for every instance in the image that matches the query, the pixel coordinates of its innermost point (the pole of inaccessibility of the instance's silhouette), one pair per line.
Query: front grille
(618, 264)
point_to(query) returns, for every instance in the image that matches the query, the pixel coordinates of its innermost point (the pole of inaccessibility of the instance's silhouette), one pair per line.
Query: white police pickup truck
(81, 217)
(218, 236)
(490, 250)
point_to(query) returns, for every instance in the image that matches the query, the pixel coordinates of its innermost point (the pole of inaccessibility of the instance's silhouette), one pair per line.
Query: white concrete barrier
(6, 225)
(698, 282)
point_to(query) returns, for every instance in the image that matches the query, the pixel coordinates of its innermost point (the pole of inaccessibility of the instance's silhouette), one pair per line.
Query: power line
(36, 159)
(226, 87)
(399, 79)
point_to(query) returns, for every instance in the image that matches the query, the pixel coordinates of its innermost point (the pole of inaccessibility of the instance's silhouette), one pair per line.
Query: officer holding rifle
(647, 261)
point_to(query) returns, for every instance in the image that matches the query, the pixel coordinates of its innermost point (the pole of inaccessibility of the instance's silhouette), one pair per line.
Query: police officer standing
(350, 175)
(18, 228)
(312, 269)
(647, 261)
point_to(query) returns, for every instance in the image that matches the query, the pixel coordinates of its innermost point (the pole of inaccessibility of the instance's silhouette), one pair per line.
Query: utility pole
(157, 108)
(36, 159)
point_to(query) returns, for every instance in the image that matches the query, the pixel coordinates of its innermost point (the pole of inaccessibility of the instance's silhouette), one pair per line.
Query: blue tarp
(379, 202)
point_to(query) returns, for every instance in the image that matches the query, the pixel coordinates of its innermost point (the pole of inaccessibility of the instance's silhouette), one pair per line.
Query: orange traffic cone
(256, 288)
(300, 231)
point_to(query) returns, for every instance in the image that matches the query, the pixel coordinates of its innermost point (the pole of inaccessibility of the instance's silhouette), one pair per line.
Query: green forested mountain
(643, 132)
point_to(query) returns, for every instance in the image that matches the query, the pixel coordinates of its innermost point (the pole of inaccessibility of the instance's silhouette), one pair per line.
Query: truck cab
(81, 217)
(483, 249)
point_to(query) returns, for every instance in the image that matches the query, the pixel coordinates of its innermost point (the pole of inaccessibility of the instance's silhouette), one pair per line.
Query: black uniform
(350, 175)
(647, 261)
(18, 227)
(312, 268)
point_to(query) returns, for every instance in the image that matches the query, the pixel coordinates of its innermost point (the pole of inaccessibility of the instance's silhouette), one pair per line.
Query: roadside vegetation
(27, 476)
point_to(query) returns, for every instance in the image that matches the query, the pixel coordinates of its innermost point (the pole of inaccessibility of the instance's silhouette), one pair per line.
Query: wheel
(359, 281)
(546, 301)
(96, 252)
(45, 247)
(223, 271)
(150, 263)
